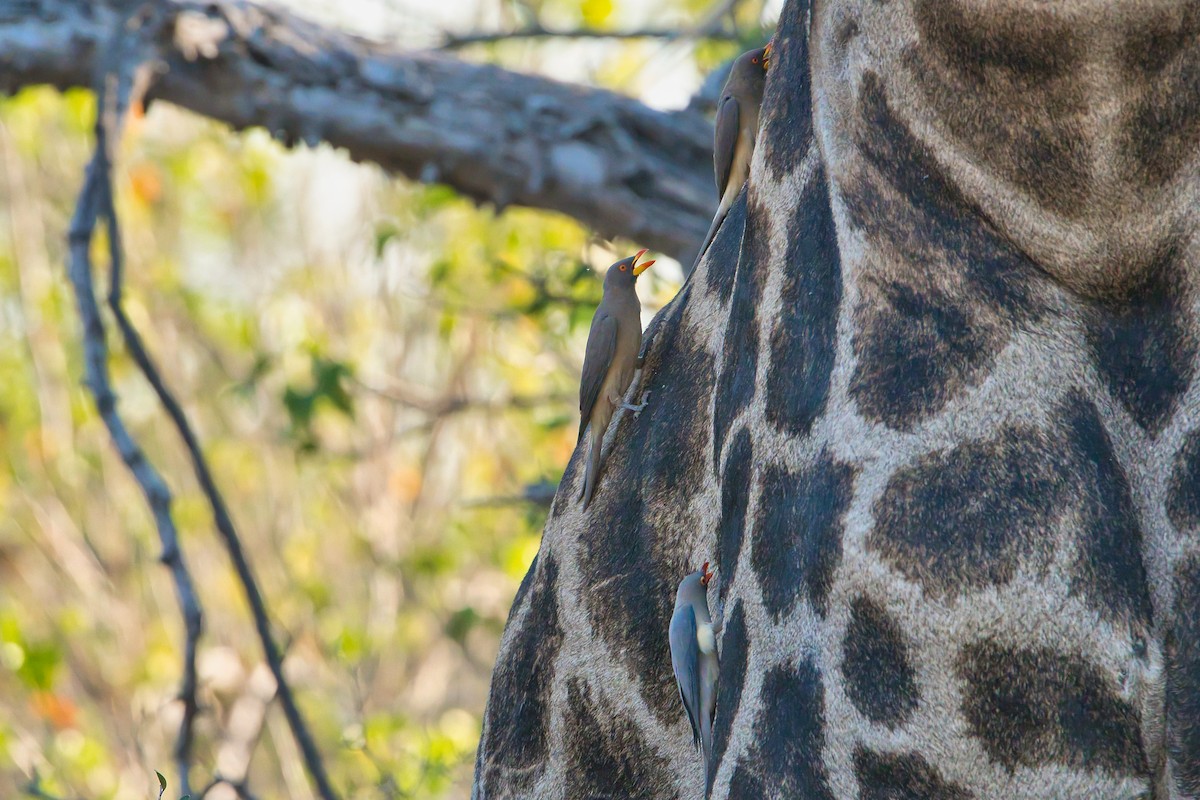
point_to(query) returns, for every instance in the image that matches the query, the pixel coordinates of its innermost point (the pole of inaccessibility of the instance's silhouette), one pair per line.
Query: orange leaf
(59, 711)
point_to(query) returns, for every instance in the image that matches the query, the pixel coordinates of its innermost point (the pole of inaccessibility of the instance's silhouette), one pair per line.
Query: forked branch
(95, 201)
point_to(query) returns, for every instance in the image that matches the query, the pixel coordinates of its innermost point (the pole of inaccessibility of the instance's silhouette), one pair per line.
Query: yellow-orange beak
(705, 575)
(767, 57)
(638, 269)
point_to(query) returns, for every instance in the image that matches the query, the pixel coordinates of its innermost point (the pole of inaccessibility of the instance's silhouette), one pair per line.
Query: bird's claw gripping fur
(637, 410)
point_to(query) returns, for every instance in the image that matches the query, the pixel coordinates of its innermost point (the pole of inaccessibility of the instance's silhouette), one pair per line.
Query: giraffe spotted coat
(930, 405)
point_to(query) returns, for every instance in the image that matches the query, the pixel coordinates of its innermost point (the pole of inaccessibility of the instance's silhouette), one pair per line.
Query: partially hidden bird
(694, 658)
(736, 132)
(610, 359)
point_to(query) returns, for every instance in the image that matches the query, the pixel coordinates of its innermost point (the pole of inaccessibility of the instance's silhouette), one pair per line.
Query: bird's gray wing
(601, 347)
(685, 656)
(725, 140)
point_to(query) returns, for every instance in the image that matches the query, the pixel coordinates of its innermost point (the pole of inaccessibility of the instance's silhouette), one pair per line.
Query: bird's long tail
(593, 467)
(708, 237)
(706, 750)
(727, 201)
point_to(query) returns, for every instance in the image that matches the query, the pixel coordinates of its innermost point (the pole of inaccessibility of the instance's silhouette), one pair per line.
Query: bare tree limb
(493, 135)
(96, 200)
(90, 206)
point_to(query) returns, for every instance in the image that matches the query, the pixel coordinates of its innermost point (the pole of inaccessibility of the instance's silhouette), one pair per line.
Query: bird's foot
(638, 408)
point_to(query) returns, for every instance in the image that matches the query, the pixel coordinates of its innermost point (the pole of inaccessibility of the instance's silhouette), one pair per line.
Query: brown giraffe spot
(917, 348)
(880, 681)
(1143, 345)
(676, 425)
(966, 518)
(1183, 496)
(803, 342)
(1032, 707)
(516, 732)
(1109, 571)
(1153, 41)
(789, 734)
(934, 316)
(1161, 130)
(786, 133)
(1183, 679)
(901, 776)
(1006, 84)
(798, 541)
(745, 785)
(963, 519)
(735, 654)
(606, 755)
(735, 387)
(735, 497)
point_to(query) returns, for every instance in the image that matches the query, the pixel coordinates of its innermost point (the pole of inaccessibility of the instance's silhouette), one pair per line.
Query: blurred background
(384, 378)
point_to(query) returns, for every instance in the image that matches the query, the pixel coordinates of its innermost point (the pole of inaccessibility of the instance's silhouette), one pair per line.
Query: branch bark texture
(493, 135)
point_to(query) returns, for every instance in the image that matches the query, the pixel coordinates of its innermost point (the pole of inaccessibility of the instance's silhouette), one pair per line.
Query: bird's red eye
(754, 60)
(622, 268)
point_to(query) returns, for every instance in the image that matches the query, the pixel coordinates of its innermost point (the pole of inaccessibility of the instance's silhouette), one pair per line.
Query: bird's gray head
(753, 63)
(625, 272)
(695, 585)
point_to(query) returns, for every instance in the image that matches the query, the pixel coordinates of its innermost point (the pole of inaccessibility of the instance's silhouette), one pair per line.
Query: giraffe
(928, 403)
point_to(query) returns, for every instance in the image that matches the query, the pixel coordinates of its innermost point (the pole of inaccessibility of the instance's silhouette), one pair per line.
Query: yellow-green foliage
(317, 319)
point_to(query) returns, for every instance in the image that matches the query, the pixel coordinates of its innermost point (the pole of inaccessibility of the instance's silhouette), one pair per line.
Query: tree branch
(492, 135)
(91, 204)
(96, 199)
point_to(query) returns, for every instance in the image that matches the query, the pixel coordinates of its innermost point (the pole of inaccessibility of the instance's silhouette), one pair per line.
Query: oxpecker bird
(736, 131)
(610, 359)
(694, 658)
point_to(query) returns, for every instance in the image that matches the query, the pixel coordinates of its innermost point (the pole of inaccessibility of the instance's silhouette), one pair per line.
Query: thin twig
(239, 788)
(537, 31)
(221, 515)
(710, 26)
(538, 494)
(158, 496)
(454, 404)
(34, 789)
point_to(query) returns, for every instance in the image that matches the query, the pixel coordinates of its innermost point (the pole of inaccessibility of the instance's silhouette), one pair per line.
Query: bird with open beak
(736, 132)
(694, 658)
(610, 360)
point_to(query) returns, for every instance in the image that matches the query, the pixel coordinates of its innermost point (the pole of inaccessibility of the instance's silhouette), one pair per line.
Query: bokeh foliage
(364, 359)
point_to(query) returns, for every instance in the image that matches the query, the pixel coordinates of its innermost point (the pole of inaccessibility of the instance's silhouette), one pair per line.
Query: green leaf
(40, 665)
(384, 234)
(329, 376)
(557, 421)
(299, 407)
(162, 784)
(461, 622)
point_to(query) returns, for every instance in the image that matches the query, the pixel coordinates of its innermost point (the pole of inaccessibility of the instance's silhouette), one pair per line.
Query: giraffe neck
(1072, 128)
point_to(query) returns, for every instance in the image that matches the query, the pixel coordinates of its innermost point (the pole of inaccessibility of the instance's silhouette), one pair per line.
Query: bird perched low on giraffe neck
(694, 658)
(610, 360)
(736, 131)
